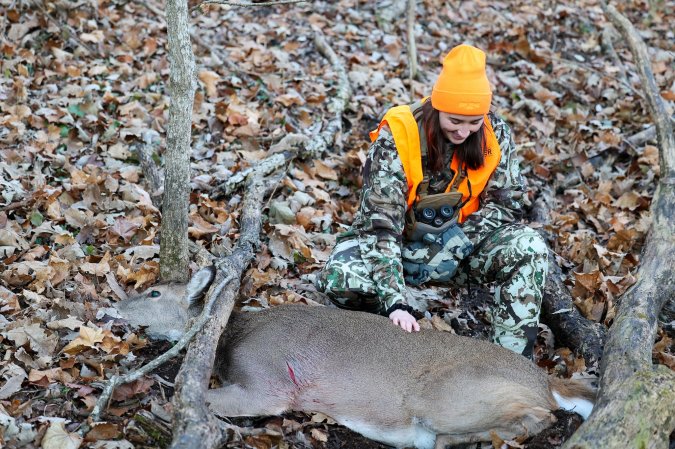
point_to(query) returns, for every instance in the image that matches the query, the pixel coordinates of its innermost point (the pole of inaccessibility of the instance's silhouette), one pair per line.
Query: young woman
(441, 202)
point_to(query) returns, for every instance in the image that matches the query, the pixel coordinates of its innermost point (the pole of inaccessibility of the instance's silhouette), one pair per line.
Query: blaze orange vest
(404, 128)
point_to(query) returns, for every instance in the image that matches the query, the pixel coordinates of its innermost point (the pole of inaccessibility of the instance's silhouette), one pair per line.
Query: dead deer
(424, 389)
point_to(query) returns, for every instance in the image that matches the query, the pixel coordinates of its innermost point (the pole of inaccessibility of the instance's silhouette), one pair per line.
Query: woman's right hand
(405, 320)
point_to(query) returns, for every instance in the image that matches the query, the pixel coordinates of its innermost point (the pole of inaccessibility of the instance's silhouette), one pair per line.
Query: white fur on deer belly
(415, 435)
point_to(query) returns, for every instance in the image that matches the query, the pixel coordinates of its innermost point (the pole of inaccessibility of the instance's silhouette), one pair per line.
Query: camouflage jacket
(379, 222)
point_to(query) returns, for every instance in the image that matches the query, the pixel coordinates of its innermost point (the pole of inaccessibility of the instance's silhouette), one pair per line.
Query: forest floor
(84, 83)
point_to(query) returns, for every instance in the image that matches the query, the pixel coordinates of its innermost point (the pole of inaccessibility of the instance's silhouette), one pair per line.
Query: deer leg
(235, 400)
(461, 441)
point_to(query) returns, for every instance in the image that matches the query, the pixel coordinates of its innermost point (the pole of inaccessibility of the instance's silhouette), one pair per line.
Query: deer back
(339, 347)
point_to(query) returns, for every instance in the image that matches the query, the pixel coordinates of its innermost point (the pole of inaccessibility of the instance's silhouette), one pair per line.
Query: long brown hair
(469, 152)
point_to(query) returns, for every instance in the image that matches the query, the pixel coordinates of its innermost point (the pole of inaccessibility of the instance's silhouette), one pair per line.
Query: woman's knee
(532, 242)
(347, 288)
(345, 279)
(526, 243)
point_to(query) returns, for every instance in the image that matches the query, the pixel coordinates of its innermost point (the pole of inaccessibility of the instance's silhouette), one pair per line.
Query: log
(635, 406)
(569, 326)
(644, 136)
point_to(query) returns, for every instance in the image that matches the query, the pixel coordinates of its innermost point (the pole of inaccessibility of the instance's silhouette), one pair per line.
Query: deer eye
(155, 294)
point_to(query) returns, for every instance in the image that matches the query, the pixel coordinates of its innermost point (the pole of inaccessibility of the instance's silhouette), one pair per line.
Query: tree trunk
(173, 253)
(636, 403)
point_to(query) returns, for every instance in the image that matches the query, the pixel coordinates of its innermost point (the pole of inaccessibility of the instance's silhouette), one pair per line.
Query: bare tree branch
(655, 105)
(608, 36)
(195, 425)
(246, 5)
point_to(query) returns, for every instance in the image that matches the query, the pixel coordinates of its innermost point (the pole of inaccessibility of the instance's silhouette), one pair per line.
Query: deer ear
(199, 283)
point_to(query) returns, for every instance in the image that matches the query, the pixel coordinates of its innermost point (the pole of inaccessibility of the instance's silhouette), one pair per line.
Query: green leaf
(76, 110)
(89, 250)
(36, 218)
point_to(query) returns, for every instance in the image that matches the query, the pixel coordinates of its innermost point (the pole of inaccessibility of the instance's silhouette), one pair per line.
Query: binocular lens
(428, 213)
(446, 211)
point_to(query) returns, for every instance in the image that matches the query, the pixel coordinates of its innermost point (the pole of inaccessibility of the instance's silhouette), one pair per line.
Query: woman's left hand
(405, 320)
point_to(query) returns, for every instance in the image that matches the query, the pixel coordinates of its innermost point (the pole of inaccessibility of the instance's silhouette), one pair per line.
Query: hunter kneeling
(441, 202)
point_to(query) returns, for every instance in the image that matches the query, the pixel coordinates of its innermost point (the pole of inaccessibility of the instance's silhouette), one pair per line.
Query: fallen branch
(638, 139)
(245, 5)
(72, 36)
(154, 180)
(194, 424)
(389, 12)
(635, 403)
(594, 70)
(300, 145)
(608, 36)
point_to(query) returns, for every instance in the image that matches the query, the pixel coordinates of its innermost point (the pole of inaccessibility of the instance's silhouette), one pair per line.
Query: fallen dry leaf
(88, 338)
(57, 437)
(129, 390)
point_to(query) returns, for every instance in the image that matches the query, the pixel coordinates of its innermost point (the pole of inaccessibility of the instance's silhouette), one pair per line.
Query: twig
(117, 380)
(249, 432)
(72, 34)
(17, 205)
(238, 4)
(608, 46)
(412, 49)
(594, 70)
(216, 56)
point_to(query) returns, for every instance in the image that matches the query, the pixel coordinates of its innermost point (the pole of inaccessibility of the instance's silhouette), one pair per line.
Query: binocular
(435, 217)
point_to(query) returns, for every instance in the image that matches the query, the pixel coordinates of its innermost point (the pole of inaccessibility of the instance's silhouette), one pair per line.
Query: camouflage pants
(513, 257)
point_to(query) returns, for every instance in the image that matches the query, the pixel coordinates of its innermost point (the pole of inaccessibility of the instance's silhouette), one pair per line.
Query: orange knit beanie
(462, 87)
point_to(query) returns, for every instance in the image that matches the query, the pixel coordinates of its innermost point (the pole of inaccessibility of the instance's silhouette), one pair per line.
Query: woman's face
(457, 128)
